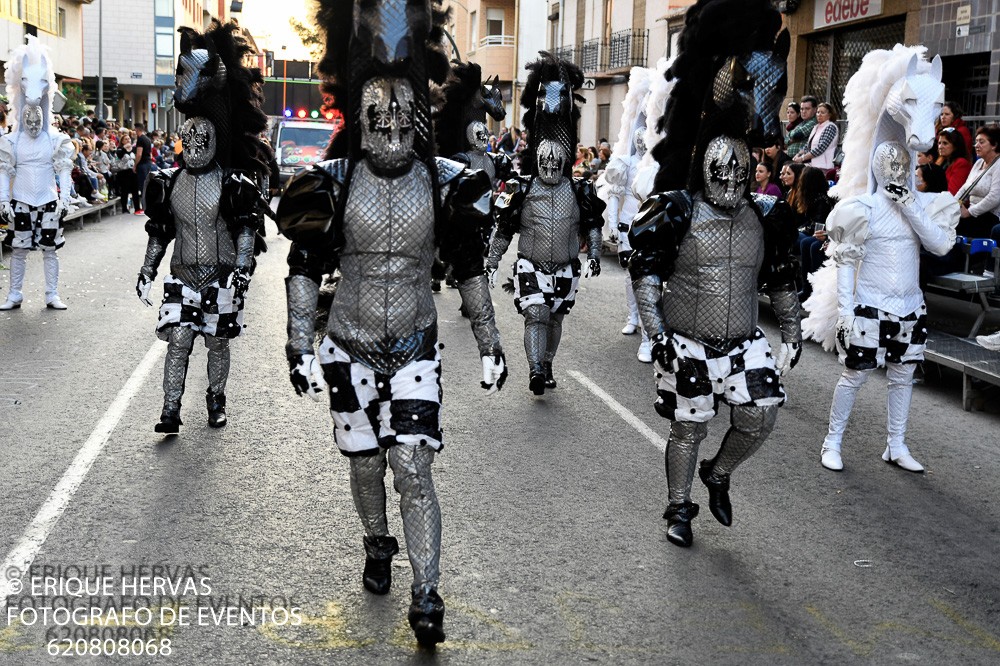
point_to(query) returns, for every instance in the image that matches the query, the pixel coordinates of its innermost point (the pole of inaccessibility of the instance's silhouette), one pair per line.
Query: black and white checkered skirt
(36, 227)
(743, 375)
(372, 410)
(533, 286)
(879, 337)
(215, 310)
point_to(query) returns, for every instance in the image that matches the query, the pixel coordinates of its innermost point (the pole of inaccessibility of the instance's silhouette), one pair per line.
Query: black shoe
(426, 618)
(679, 517)
(377, 576)
(718, 493)
(536, 382)
(170, 421)
(550, 381)
(435, 286)
(216, 409)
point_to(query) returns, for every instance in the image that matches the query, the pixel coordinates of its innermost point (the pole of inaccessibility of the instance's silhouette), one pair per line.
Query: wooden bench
(966, 356)
(80, 214)
(981, 289)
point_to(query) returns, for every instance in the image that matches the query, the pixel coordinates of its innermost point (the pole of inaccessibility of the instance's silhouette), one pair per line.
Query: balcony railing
(497, 40)
(567, 53)
(628, 48)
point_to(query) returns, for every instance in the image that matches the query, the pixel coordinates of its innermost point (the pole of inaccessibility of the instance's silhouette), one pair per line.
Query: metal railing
(593, 56)
(628, 48)
(567, 53)
(497, 40)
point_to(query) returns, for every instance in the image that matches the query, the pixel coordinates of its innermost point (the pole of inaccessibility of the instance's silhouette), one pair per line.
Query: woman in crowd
(979, 197)
(930, 178)
(764, 176)
(776, 156)
(788, 176)
(128, 182)
(793, 115)
(822, 144)
(811, 203)
(953, 158)
(951, 116)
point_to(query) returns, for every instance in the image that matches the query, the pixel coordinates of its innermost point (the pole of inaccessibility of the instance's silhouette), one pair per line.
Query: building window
(9, 9)
(474, 28)
(603, 121)
(494, 22)
(554, 31)
(62, 22)
(164, 50)
(43, 14)
(164, 8)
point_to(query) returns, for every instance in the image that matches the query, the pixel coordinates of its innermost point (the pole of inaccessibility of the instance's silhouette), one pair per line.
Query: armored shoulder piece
(467, 218)
(309, 204)
(62, 152)
(156, 202)
(848, 229)
(657, 232)
(447, 170)
(591, 206)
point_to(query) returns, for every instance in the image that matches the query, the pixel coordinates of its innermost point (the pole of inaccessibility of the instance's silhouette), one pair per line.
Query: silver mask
(31, 119)
(198, 140)
(477, 135)
(638, 142)
(891, 167)
(726, 170)
(387, 106)
(551, 159)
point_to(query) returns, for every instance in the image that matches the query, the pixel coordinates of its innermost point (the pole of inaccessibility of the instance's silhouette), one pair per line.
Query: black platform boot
(377, 576)
(426, 617)
(536, 383)
(550, 381)
(679, 517)
(170, 421)
(718, 492)
(216, 409)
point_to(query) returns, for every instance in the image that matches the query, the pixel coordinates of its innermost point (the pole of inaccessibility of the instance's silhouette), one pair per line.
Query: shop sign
(834, 12)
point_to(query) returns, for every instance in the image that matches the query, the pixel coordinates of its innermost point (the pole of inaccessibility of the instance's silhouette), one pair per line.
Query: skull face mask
(198, 139)
(551, 158)
(891, 167)
(726, 170)
(387, 122)
(477, 135)
(638, 142)
(32, 120)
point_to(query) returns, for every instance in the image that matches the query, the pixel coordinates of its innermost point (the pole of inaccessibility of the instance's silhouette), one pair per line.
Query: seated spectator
(979, 198)
(788, 176)
(764, 176)
(951, 116)
(811, 203)
(930, 178)
(775, 155)
(953, 158)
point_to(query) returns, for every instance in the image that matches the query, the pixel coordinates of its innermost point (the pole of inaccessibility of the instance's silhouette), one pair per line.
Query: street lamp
(284, 78)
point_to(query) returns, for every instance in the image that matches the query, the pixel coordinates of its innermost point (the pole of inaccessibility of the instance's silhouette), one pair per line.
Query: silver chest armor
(383, 313)
(550, 225)
(712, 293)
(888, 277)
(482, 162)
(204, 250)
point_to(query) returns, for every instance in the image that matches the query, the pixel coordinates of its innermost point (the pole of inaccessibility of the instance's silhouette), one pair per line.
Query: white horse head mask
(915, 103)
(30, 86)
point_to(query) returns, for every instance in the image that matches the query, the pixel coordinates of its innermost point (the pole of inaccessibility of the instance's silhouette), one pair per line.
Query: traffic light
(153, 107)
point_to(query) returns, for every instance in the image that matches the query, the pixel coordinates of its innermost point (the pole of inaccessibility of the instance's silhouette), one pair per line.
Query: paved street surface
(554, 546)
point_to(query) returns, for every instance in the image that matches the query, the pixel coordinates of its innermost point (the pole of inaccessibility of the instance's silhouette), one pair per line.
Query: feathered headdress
(466, 100)
(553, 110)
(715, 91)
(370, 38)
(234, 101)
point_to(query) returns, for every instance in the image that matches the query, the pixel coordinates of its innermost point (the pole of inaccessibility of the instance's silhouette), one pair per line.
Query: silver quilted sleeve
(498, 247)
(648, 291)
(303, 294)
(594, 242)
(475, 294)
(244, 248)
(789, 314)
(155, 249)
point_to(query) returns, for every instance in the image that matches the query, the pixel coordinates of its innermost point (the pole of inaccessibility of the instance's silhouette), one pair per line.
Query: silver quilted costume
(552, 220)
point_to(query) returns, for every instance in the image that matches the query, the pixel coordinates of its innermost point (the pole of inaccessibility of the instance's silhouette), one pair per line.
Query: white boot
(900, 391)
(830, 457)
(51, 265)
(844, 394)
(991, 342)
(18, 262)
(645, 353)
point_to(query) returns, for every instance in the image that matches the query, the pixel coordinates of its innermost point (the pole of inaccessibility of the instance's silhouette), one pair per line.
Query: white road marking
(621, 410)
(21, 556)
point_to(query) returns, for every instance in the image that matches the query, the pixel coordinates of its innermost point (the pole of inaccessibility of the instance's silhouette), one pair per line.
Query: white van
(298, 143)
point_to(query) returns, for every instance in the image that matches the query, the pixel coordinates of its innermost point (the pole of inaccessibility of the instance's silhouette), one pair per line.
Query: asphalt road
(554, 546)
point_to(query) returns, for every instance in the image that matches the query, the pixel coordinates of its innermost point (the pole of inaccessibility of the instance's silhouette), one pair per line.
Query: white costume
(33, 159)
